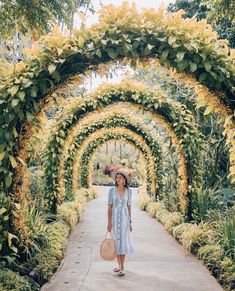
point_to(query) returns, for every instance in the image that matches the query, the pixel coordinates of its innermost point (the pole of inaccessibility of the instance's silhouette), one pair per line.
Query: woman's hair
(126, 182)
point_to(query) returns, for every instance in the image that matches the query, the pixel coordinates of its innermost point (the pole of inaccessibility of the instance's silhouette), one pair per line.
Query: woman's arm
(129, 211)
(109, 228)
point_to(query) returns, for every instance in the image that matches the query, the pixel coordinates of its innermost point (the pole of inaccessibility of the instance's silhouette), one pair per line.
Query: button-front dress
(120, 220)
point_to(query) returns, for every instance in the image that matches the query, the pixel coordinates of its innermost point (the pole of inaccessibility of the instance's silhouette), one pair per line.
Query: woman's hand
(109, 228)
(130, 227)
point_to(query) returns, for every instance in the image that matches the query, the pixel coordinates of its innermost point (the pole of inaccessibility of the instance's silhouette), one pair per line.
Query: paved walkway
(159, 264)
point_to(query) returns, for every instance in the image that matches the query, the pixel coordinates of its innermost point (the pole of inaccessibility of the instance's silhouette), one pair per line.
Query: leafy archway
(114, 121)
(96, 139)
(173, 112)
(105, 118)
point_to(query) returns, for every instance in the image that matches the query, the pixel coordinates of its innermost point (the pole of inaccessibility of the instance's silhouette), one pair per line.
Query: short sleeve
(129, 201)
(110, 196)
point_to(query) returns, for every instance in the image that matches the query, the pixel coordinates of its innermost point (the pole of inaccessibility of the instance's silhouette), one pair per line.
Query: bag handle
(107, 234)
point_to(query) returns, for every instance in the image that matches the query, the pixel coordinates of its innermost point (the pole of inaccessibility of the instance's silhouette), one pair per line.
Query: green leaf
(10, 237)
(27, 84)
(172, 39)
(15, 102)
(56, 76)
(14, 89)
(15, 133)
(213, 74)
(13, 161)
(21, 115)
(8, 181)
(202, 77)
(22, 161)
(150, 46)
(34, 91)
(175, 45)
(2, 154)
(165, 54)
(2, 210)
(111, 53)
(21, 95)
(208, 110)
(207, 66)
(36, 107)
(180, 55)
(163, 39)
(29, 116)
(193, 67)
(51, 68)
(98, 53)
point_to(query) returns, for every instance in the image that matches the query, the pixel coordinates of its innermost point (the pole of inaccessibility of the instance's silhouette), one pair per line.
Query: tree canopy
(37, 17)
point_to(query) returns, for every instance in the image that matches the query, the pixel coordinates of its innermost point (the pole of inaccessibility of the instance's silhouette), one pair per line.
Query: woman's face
(120, 179)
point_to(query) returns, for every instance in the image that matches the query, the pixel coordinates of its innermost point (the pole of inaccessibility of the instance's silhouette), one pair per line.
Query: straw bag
(108, 248)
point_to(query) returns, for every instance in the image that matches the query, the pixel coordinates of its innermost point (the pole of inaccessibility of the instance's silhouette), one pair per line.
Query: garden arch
(112, 120)
(169, 109)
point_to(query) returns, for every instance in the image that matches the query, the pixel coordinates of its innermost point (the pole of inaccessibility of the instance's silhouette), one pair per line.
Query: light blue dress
(120, 220)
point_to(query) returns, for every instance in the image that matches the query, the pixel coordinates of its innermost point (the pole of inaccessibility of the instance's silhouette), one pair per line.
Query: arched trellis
(114, 108)
(86, 158)
(105, 134)
(111, 121)
(114, 121)
(173, 112)
(76, 179)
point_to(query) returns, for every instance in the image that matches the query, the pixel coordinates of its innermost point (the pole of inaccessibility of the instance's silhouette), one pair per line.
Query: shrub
(33, 236)
(227, 236)
(49, 258)
(162, 215)
(196, 236)
(95, 192)
(180, 229)
(223, 268)
(10, 280)
(203, 200)
(154, 206)
(67, 212)
(173, 219)
(58, 233)
(71, 211)
(227, 273)
(88, 193)
(144, 200)
(210, 255)
(47, 262)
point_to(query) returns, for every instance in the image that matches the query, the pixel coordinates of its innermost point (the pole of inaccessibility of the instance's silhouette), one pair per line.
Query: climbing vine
(101, 136)
(114, 121)
(177, 115)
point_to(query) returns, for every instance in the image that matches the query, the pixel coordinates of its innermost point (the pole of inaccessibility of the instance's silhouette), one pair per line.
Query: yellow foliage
(144, 199)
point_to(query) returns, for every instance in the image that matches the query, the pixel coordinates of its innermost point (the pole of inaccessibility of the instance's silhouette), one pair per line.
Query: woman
(119, 218)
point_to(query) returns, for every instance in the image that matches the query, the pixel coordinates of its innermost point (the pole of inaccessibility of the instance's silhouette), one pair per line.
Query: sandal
(121, 273)
(116, 269)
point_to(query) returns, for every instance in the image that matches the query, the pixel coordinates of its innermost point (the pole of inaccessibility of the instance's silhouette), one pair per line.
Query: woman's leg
(122, 259)
(119, 261)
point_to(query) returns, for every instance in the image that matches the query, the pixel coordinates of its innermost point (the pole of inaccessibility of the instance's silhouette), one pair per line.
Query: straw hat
(114, 173)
